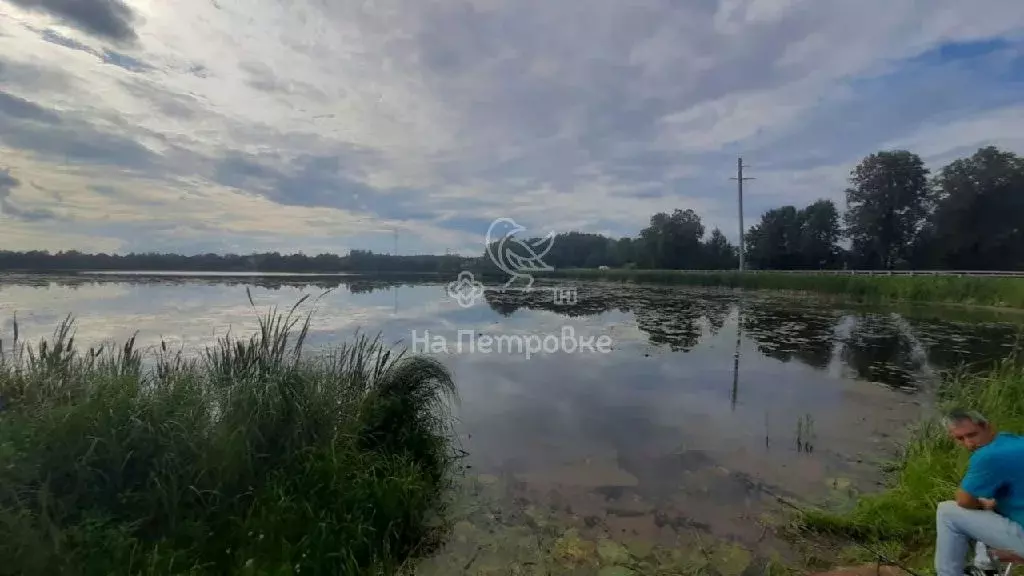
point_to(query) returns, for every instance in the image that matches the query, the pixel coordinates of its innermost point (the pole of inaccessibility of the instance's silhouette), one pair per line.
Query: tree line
(355, 261)
(968, 215)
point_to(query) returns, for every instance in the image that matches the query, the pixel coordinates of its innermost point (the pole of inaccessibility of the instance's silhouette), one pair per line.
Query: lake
(647, 423)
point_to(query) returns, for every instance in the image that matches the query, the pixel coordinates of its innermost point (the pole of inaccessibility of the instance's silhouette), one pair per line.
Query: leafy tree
(886, 207)
(978, 222)
(673, 240)
(788, 239)
(719, 253)
(774, 243)
(819, 235)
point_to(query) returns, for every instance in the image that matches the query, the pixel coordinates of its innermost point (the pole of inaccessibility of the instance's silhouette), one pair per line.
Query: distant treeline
(970, 215)
(355, 261)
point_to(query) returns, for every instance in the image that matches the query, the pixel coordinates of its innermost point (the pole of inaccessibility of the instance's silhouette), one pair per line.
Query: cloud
(10, 209)
(322, 126)
(107, 18)
(106, 55)
(7, 183)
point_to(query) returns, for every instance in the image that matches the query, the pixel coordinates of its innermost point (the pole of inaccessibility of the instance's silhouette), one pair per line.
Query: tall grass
(901, 519)
(981, 291)
(254, 458)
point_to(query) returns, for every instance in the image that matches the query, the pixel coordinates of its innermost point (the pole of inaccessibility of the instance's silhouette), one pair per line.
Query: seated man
(989, 505)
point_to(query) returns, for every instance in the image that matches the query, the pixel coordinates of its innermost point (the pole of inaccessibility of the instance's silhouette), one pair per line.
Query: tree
(819, 235)
(788, 239)
(774, 243)
(673, 241)
(978, 222)
(719, 253)
(886, 207)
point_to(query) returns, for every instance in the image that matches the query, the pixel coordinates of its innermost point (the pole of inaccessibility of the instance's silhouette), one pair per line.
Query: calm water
(589, 460)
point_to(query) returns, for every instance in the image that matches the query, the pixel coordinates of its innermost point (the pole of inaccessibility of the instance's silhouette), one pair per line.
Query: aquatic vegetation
(532, 538)
(805, 433)
(257, 458)
(900, 520)
(982, 291)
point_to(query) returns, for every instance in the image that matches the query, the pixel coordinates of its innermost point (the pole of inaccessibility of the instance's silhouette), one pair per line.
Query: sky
(200, 126)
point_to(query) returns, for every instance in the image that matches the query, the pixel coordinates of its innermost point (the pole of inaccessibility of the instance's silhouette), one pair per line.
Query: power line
(739, 185)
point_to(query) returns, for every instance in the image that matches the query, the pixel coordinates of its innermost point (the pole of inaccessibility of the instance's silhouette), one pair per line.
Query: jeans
(957, 527)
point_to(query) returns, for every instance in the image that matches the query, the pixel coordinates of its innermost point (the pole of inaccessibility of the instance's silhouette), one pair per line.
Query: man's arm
(978, 488)
(965, 500)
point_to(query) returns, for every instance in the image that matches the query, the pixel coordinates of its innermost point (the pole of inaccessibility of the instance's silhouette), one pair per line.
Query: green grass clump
(252, 459)
(901, 519)
(974, 290)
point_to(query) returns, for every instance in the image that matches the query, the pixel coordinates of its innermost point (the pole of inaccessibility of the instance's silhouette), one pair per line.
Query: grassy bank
(979, 291)
(901, 519)
(252, 459)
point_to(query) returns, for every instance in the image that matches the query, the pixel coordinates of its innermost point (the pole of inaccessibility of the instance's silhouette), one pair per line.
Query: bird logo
(515, 257)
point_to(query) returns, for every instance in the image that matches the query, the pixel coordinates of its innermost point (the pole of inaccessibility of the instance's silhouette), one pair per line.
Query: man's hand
(965, 500)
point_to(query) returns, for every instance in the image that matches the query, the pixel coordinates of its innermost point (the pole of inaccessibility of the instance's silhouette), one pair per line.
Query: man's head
(969, 428)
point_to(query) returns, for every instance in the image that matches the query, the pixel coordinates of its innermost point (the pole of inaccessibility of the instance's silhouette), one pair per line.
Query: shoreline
(900, 518)
(996, 293)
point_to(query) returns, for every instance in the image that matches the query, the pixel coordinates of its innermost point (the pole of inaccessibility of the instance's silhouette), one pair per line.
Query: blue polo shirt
(996, 470)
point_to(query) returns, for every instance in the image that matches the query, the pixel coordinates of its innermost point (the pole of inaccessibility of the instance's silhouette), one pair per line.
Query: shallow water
(658, 455)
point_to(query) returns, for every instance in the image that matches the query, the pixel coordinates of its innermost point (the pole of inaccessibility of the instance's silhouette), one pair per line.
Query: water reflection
(879, 346)
(902, 350)
(674, 431)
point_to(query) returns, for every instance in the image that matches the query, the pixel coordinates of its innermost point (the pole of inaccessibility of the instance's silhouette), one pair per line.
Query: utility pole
(739, 184)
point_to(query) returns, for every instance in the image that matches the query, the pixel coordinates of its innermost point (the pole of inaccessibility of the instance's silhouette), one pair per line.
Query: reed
(252, 458)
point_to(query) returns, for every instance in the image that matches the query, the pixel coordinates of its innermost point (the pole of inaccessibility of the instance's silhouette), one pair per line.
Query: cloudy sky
(241, 125)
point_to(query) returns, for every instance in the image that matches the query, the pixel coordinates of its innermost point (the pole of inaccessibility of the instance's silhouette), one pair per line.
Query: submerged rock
(838, 483)
(730, 560)
(640, 548)
(464, 531)
(573, 551)
(864, 570)
(615, 571)
(611, 552)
